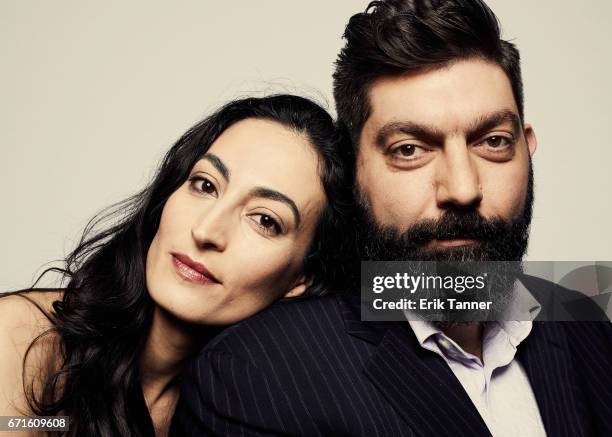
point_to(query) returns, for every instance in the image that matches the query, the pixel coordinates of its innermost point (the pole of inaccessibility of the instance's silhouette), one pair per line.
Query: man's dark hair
(393, 37)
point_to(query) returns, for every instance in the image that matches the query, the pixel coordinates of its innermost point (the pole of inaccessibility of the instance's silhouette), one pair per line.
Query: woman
(240, 214)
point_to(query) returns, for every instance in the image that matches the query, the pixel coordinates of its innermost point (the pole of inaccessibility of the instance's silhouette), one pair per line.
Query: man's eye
(410, 151)
(269, 225)
(203, 185)
(497, 142)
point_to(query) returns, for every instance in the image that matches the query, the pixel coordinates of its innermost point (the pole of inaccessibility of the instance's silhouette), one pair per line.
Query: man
(432, 99)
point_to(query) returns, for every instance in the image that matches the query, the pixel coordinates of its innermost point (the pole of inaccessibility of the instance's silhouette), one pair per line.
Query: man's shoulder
(589, 341)
(536, 284)
(593, 336)
(561, 303)
(293, 316)
(286, 326)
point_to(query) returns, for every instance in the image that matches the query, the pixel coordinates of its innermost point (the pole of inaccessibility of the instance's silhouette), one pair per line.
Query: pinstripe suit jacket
(313, 368)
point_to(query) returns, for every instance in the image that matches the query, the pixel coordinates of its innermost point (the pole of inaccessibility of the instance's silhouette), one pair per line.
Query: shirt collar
(423, 330)
(523, 307)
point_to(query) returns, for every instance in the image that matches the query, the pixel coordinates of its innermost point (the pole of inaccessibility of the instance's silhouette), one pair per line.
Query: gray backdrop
(94, 92)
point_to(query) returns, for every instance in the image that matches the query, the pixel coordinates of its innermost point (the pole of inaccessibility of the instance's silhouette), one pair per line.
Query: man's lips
(453, 242)
(191, 270)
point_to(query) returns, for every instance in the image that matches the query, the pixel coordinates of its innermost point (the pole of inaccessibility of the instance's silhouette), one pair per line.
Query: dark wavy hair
(394, 37)
(106, 311)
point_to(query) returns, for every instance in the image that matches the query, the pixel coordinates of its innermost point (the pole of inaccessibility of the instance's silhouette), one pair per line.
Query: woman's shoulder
(22, 320)
(23, 317)
(27, 310)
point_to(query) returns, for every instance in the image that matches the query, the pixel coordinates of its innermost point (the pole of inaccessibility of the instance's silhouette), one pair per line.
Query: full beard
(494, 239)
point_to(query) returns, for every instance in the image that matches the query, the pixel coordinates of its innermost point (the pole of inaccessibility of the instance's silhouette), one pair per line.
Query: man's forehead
(450, 99)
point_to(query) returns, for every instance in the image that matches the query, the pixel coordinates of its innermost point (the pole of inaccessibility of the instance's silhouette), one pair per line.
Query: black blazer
(313, 368)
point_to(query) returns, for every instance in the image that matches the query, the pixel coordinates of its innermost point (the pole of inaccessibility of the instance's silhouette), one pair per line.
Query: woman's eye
(269, 225)
(203, 185)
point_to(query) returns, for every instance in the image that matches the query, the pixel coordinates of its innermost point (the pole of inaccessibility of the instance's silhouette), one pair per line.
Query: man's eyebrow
(434, 135)
(218, 164)
(488, 122)
(268, 193)
(423, 132)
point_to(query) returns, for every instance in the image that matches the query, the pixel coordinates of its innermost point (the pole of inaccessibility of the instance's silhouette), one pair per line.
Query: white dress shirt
(497, 384)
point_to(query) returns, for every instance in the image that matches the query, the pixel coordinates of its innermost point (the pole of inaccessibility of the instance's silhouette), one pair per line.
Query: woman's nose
(211, 229)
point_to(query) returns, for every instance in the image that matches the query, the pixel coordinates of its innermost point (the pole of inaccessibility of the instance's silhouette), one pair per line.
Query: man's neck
(468, 335)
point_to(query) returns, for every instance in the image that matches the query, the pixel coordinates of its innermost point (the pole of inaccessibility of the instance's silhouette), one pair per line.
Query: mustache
(455, 224)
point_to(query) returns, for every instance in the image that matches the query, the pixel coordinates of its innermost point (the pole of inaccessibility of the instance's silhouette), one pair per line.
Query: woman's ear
(299, 287)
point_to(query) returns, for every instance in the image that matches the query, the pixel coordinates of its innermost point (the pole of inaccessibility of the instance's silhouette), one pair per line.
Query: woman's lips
(191, 270)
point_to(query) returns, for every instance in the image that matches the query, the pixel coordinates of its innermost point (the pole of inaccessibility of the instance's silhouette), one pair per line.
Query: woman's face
(233, 237)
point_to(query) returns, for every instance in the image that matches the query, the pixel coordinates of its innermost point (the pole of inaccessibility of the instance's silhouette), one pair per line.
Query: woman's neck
(170, 342)
(164, 352)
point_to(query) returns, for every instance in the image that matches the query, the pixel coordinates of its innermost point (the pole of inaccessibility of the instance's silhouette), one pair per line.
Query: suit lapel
(548, 366)
(416, 382)
(427, 395)
(421, 387)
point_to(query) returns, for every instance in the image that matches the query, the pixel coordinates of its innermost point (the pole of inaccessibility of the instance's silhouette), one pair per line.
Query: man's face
(443, 169)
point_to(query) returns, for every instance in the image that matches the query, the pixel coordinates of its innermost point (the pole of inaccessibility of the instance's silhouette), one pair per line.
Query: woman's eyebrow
(271, 194)
(218, 164)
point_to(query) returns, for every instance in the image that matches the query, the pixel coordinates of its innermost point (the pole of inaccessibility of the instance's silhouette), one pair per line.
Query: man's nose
(210, 229)
(458, 180)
